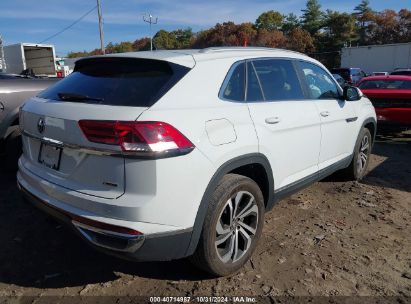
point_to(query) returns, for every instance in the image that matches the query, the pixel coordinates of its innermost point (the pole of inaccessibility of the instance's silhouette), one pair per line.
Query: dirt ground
(333, 239)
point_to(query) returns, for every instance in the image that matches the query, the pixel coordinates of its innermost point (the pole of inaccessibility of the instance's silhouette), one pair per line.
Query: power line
(71, 25)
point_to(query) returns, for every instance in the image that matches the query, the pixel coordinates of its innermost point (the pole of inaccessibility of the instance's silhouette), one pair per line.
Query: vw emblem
(41, 125)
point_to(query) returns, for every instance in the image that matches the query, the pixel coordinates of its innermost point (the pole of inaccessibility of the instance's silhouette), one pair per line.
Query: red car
(391, 97)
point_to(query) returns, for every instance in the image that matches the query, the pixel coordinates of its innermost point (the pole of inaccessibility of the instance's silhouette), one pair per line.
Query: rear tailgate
(82, 165)
(102, 89)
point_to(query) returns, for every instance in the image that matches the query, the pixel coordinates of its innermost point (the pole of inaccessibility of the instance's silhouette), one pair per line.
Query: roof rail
(243, 49)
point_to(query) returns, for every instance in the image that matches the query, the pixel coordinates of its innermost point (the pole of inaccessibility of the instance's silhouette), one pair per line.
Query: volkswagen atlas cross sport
(170, 154)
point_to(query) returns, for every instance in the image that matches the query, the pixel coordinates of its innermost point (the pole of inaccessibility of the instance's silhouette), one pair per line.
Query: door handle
(272, 120)
(325, 113)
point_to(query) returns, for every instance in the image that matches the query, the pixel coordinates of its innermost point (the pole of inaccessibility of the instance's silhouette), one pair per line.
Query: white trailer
(22, 56)
(377, 58)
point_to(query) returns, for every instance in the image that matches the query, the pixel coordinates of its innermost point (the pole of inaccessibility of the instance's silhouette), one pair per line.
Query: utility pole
(2, 62)
(100, 26)
(150, 19)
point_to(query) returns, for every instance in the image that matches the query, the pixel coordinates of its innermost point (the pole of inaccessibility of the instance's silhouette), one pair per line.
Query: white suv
(168, 154)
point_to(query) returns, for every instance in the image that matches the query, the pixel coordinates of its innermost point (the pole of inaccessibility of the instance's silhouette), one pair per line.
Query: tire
(13, 149)
(361, 156)
(224, 249)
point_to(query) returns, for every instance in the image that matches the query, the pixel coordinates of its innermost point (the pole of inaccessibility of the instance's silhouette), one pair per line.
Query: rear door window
(117, 81)
(254, 92)
(278, 80)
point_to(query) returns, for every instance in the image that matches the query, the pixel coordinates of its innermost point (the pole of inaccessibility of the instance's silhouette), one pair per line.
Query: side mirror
(352, 93)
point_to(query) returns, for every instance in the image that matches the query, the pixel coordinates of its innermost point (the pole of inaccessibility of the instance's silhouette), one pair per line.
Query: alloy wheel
(236, 226)
(363, 154)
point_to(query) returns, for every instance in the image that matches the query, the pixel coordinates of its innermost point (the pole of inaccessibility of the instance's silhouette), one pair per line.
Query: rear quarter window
(118, 81)
(233, 86)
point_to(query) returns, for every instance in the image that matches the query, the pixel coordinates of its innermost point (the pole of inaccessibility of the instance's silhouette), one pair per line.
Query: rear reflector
(151, 138)
(104, 226)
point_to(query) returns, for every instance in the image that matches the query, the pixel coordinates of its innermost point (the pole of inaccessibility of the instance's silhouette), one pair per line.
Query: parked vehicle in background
(404, 72)
(351, 75)
(380, 73)
(39, 58)
(385, 57)
(341, 81)
(10, 76)
(149, 159)
(14, 91)
(391, 97)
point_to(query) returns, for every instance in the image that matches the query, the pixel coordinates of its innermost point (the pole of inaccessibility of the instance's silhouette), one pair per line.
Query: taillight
(144, 138)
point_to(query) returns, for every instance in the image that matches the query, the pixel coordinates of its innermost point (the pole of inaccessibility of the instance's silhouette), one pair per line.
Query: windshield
(401, 72)
(117, 81)
(386, 84)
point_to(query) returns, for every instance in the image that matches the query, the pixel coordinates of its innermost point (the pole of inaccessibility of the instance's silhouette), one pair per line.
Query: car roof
(189, 57)
(387, 77)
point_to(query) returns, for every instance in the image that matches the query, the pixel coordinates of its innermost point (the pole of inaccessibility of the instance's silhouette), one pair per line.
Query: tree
(164, 40)
(271, 20)
(312, 18)
(142, 44)
(290, 22)
(273, 39)
(362, 8)
(184, 37)
(247, 34)
(404, 25)
(77, 54)
(339, 29)
(225, 34)
(364, 15)
(122, 47)
(300, 40)
(386, 29)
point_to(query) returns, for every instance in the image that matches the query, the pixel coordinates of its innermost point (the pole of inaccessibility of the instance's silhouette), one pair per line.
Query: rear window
(386, 84)
(117, 81)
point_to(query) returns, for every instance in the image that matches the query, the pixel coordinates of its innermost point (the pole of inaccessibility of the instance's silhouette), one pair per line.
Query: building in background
(377, 58)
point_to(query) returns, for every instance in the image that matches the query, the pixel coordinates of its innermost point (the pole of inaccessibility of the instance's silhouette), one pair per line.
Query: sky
(35, 20)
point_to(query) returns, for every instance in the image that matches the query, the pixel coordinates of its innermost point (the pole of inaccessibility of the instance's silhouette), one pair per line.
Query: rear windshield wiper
(77, 97)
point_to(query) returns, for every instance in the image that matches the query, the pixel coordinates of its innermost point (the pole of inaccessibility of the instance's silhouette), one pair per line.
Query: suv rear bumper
(155, 247)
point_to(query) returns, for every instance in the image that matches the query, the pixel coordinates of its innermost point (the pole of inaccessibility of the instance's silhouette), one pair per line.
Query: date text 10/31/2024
(203, 299)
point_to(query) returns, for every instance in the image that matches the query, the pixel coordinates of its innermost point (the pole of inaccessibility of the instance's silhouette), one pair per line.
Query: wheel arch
(370, 124)
(238, 165)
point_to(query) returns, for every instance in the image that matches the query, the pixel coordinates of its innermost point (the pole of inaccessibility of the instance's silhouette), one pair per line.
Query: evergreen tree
(312, 18)
(364, 15)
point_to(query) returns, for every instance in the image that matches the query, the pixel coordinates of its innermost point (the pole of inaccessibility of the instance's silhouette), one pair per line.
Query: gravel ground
(333, 239)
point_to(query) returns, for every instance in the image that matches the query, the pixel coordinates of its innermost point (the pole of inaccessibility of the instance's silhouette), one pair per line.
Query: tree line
(318, 33)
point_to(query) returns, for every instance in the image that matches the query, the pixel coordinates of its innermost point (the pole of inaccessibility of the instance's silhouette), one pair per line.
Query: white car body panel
(293, 144)
(156, 196)
(336, 132)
